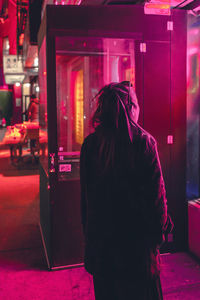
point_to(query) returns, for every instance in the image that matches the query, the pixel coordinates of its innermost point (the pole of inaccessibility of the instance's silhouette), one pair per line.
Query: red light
(21, 39)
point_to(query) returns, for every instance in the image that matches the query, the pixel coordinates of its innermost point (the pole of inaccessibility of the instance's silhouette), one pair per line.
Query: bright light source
(27, 84)
(36, 61)
(37, 89)
(157, 9)
(17, 84)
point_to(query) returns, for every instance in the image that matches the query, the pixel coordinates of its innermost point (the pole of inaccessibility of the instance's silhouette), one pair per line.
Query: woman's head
(116, 102)
(117, 108)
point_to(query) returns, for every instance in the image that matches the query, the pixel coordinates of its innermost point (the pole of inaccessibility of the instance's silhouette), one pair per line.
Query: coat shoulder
(144, 136)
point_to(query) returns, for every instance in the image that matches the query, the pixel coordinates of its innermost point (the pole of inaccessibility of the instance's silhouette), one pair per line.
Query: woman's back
(117, 208)
(123, 201)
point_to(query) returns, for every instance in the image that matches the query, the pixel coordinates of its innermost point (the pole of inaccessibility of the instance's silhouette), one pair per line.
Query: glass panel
(43, 103)
(83, 66)
(193, 117)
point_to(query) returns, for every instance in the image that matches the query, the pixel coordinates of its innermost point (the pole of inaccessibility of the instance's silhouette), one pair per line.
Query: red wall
(8, 28)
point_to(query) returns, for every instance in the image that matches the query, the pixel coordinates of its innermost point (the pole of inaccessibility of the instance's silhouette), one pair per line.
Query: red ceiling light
(21, 39)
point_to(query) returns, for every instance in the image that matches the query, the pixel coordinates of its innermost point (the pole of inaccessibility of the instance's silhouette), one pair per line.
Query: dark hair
(33, 96)
(111, 120)
(110, 100)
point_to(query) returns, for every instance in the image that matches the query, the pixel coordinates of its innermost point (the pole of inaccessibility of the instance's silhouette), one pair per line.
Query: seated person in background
(33, 116)
(33, 109)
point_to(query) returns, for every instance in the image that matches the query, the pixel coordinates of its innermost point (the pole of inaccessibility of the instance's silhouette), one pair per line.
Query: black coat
(124, 208)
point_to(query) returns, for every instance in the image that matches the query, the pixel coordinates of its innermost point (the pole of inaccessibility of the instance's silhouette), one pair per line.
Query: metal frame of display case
(148, 30)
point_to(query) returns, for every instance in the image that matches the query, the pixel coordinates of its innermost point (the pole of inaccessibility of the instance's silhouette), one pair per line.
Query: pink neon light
(75, 153)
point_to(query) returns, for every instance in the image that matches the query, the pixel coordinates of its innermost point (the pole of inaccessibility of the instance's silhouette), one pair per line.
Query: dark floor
(180, 277)
(23, 268)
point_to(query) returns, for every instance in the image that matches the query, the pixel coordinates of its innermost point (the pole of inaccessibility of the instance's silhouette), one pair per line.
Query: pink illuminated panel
(157, 8)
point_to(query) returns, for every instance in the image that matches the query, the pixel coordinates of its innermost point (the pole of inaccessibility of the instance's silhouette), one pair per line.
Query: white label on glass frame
(18, 102)
(170, 139)
(65, 168)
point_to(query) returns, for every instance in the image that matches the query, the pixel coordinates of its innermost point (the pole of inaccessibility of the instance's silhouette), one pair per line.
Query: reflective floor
(23, 267)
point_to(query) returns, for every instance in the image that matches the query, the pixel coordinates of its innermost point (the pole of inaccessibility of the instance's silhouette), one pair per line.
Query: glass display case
(83, 66)
(73, 66)
(82, 48)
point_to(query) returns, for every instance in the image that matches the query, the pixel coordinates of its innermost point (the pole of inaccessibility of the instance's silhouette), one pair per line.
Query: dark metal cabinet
(165, 116)
(81, 48)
